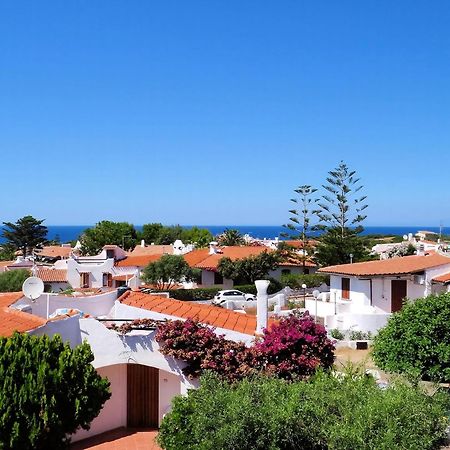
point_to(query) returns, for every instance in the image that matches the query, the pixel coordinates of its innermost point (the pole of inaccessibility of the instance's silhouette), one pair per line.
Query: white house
(125, 360)
(365, 294)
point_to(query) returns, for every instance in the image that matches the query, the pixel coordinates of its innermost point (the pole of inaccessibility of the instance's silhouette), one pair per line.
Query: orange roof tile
(8, 298)
(137, 260)
(52, 275)
(393, 266)
(442, 278)
(212, 315)
(152, 250)
(196, 256)
(12, 320)
(233, 252)
(54, 251)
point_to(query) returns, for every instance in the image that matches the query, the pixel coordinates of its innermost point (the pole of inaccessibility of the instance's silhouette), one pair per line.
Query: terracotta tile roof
(196, 256)
(12, 320)
(8, 298)
(233, 252)
(393, 266)
(297, 263)
(137, 260)
(212, 315)
(442, 278)
(152, 250)
(54, 251)
(52, 275)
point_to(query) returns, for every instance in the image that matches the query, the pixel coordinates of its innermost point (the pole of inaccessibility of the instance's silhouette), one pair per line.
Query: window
(110, 254)
(84, 280)
(107, 280)
(286, 272)
(345, 287)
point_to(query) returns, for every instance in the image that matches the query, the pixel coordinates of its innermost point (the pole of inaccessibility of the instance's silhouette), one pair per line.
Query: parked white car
(231, 294)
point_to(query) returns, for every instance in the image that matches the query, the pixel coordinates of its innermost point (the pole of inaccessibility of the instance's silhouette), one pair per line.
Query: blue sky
(211, 112)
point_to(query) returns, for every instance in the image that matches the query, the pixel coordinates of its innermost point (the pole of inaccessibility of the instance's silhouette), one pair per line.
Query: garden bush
(416, 340)
(323, 413)
(47, 391)
(12, 280)
(311, 280)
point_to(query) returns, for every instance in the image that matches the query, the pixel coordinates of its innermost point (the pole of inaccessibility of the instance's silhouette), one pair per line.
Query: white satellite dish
(33, 287)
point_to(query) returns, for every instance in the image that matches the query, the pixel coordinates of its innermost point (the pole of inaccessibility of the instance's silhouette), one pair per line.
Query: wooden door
(345, 288)
(142, 396)
(398, 293)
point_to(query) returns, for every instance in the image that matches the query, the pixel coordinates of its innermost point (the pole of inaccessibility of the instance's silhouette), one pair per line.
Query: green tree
(48, 390)
(159, 234)
(341, 211)
(230, 237)
(106, 232)
(248, 270)
(201, 237)
(25, 234)
(416, 340)
(168, 271)
(12, 280)
(342, 206)
(334, 249)
(349, 412)
(7, 252)
(299, 225)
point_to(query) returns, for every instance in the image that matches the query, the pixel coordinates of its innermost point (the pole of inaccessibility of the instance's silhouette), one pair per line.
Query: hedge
(325, 413)
(311, 280)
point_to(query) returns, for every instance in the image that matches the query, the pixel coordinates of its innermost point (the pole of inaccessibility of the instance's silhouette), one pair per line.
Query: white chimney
(261, 305)
(142, 243)
(212, 248)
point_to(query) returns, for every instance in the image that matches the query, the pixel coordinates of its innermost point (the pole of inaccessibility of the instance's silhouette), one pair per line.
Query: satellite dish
(33, 287)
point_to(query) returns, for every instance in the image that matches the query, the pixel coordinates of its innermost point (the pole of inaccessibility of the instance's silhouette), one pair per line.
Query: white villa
(364, 295)
(127, 359)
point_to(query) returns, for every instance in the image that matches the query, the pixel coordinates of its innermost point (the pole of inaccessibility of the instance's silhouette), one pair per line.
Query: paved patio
(120, 439)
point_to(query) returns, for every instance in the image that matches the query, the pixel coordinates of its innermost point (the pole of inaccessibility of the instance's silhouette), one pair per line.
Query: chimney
(212, 248)
(142, 243)
(261, 305)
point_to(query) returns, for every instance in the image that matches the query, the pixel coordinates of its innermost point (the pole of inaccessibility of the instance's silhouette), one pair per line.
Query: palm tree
(230, 237)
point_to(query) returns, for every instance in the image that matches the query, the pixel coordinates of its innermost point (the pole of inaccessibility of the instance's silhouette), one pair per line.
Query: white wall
(114, 412)
(95, 267)
(95, 305)
(169, 387)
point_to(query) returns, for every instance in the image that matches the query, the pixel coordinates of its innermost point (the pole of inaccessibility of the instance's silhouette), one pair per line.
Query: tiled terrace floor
(120, 439)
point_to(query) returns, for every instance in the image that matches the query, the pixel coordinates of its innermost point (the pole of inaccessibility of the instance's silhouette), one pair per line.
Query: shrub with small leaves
(323, 413)
(416, 340)
(47, 391)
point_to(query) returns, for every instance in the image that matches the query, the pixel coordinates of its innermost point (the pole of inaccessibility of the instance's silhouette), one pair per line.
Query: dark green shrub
(47, 391)
(12, 280)
(193, 294)
(326, 412)
(416, 340)
(311, 280)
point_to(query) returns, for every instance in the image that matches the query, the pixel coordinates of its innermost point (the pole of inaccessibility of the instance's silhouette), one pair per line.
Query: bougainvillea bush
(296, 346)
(293, 347)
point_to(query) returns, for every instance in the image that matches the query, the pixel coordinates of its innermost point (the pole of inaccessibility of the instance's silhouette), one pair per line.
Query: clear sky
(211, 112)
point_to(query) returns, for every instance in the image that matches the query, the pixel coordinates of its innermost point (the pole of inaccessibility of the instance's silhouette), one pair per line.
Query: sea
(67, 233)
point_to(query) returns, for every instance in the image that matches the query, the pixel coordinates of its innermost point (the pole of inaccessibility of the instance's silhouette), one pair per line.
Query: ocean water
(68, 233)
